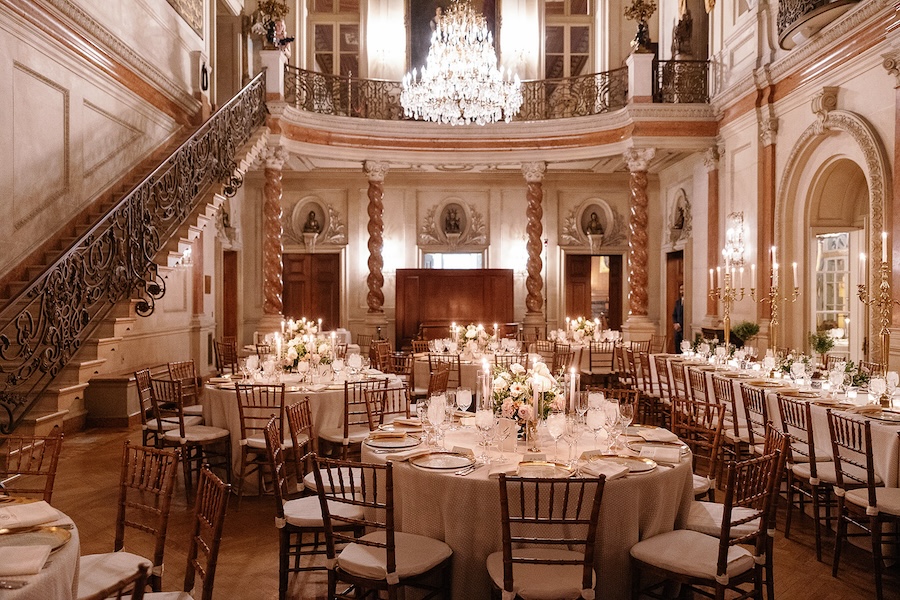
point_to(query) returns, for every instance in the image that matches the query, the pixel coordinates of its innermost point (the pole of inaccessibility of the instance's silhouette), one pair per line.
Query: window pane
(349, 6)
(577, 66)
(349, 65)
(323, 6)
(452, 260)
(325, 62)
(350, 38)
(578, 7)
(554, 40)
(553, 67)
(554, 7)
(580, 40)
(324, 38)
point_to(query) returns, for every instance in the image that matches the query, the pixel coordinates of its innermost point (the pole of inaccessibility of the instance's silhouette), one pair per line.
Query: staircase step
(102, 348)
(80, 371)
(56, 397)
(115, 326)
(42, 422)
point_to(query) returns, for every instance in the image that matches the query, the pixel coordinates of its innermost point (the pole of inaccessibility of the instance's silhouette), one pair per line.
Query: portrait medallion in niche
(312, 221)
(679, 221)
(594, 224)
(453, 223)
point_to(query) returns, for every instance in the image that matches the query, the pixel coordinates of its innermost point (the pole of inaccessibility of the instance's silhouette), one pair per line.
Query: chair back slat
(206, 537)
(186, 372)
(851, 443)
(563, 360)
(601, 357)
(386, 404)
(699, 425)
(549, 512)
(168, 402)
(658, 343)
(438, 382)
(662, 376)
(697, 388)
(257, 403)
(756, 410)
(796, 420)
(676, 376)
(749, 484)
(507, 360)
(28, 464)
(723, 393)
(452, 359)
(303, 437)
(544, 348)
(226, 356)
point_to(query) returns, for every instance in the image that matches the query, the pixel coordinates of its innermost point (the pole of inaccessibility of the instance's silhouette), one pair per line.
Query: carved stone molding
(376, 171)
(768, 131)
(471, 231)
(876, 169)
(711, 158)
(892, 65)
(333, 223)
(534, 171)
(275, 157)
(823, 103)
(573, 232)
(679, 219)
(638, 159)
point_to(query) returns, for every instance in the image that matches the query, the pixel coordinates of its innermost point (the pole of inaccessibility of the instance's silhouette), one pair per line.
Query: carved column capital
(275, 157)
(768, 131)
(711, 158)
(892, 65)
(823, 103)
(638, 159)
(534, 171)
(375, 171)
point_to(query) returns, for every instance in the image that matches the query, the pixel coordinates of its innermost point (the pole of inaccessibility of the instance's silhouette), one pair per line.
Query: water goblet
(581, 404)
(505, 428)
(484, 421)
(611, 409)
(571, 435)
(463, 398)
(556, 426)
(595, 420)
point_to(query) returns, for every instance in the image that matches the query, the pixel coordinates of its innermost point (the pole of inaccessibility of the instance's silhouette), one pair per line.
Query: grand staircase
(64, 318)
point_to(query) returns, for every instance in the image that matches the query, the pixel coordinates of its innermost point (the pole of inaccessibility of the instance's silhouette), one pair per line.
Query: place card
(661, 454)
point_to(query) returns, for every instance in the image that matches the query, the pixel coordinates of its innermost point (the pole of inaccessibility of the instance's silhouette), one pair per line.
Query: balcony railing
(800, 19)
(43, 327)
(378, 99)
(681, 81)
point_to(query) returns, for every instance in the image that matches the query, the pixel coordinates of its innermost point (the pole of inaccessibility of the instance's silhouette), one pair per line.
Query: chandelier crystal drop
(460, 83)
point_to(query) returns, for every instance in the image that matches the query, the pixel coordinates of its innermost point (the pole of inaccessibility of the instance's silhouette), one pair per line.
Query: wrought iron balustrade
(681, 81)
(800, 19)
(378, 99)
(44, 325)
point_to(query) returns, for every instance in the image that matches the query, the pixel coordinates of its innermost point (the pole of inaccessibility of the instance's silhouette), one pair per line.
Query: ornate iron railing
(793, 15)
(378, 99)
(43, 327)
(681, 81)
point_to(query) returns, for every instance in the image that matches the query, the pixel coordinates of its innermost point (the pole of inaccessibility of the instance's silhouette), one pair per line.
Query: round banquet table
(326, 404)
(464, 512)
(59, 577)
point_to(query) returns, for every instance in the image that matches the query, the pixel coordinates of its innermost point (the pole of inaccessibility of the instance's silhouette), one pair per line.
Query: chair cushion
(307, 512)
(887, 500)
(824, 471)
(542, 582)
(309, 480)
(168, 596)
(99, 571)
(193, 410)
(706, 517)
(198, 434)
(336, 434)
(170, 423)
(691, 553)
(701, 484)
(415, 554)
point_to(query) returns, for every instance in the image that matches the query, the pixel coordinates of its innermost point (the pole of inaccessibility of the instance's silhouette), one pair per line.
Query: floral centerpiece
(582, 328)
(303, 327)
(474, 336)
(308, 349)
(513, 392)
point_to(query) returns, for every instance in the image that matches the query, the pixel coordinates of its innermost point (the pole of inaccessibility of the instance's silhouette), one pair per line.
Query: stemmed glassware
(581, 404)
(437, 415)
(571, 435)
(463, 398)
(556, 426)
(505, 427)
(611, 409)
(626, 415)
(596, 417)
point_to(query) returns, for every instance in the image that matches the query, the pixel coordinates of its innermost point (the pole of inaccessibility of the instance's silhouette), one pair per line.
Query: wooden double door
(594, 287)
(312, 288)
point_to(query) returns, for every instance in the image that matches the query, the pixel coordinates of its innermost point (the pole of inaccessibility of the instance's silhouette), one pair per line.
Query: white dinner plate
(543, 469)
(635, 464)
(393, 443)
(37, 536)
(886, 415)
(442, 461)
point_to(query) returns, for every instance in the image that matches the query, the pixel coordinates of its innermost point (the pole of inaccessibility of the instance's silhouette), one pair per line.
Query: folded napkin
(864, 409)
(507, 468)
(23, 560)
(318, 387)
(387, 435)
(657, 435)
(224, 379)
(27, 515)
(467, 421)
(465, 451)
(412, 422)
(612, 470)
(671, 456)
(407, 454)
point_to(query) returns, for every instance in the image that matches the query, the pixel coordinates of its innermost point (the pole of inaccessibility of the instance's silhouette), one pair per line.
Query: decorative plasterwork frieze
(126, 54)
(192, 13)
(453, 223)
(575, 226)
(892, 65)
(711, 158)
(768, 130)
(823, 103)
(332, 229)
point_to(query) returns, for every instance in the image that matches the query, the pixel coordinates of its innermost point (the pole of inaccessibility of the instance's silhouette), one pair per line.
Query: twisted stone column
(273, 248)
(375, 172)
(534, 283)
(638, 325)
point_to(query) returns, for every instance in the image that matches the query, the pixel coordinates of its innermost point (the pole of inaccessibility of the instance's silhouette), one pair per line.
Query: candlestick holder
(773, 297)
(728, 295)
(883, 301)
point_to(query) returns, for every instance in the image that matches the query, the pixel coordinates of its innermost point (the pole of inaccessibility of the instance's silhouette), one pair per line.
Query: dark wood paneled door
(312, 288)
(588, 298)
(674, 278)
(578, 285)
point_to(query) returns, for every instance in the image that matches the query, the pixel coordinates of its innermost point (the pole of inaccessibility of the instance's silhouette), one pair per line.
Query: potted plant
(821, 342)
(745, 331)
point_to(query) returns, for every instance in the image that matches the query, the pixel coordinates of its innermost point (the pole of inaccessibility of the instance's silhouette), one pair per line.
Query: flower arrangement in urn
(513, 392)
(582, 328)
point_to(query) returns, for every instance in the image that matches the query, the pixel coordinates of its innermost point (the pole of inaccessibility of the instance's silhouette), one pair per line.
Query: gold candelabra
(728, 295)
(773, 297)
(883, 300)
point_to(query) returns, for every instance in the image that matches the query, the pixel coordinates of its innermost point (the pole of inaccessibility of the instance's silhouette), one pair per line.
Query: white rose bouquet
(306, 349)
(514, 389)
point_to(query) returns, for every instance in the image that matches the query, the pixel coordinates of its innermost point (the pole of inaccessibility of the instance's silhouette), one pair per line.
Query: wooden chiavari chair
(28, 464)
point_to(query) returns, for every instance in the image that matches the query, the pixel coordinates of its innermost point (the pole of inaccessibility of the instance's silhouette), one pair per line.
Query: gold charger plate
(543, 469)
(636, 464)
(886, 415)
(7, 500)
(800, 394)
(765, 384)
(441, 461)
(36, 536)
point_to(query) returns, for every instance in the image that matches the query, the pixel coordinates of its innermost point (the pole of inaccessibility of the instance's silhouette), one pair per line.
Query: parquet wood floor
(86, 489)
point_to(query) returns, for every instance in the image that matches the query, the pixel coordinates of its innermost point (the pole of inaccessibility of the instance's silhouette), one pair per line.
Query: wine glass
(581, 404)
(463, 398)
(437, 415)
(596, 420)
(611, 409)
(505, 428)
(626, 414)
(484, 422)
(571, 435)
(556, 426)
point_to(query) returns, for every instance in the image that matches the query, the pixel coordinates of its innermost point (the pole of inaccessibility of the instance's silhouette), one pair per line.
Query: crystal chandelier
(460, 83)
